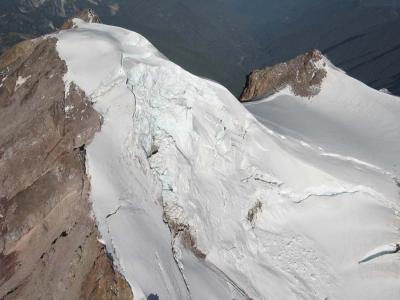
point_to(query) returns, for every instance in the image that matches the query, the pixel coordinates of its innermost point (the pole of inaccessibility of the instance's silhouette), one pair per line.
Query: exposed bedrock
(303, 74)
(49, 245)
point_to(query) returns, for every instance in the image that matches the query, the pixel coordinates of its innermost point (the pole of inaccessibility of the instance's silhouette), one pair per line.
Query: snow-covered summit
(196, 199)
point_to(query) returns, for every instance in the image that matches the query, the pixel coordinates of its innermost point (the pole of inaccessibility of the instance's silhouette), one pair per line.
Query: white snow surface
(179, 147)
(20, 81)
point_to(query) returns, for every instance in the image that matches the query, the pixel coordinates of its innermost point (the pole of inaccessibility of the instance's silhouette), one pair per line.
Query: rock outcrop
(49, 245)
(303, 74)
(87, 15)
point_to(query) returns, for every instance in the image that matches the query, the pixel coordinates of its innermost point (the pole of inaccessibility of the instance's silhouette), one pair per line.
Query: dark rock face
(303, 74)
(48, 240)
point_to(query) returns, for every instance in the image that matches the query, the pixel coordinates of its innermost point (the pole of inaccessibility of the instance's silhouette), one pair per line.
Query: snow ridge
(180, 164)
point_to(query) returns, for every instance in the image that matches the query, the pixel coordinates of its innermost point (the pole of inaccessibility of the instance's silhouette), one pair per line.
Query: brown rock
(19, 51)
(103, 283)
(302, 74)
(184, 234)
(48, 241)
(38, 122)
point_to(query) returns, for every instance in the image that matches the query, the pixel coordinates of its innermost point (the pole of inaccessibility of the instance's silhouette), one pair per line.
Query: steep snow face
(252, 212)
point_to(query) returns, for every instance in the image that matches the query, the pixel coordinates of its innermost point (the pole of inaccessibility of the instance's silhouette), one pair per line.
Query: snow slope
(351, 121)
(254, 212)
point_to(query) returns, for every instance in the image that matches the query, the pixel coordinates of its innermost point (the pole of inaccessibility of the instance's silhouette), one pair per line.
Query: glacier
(196, 198)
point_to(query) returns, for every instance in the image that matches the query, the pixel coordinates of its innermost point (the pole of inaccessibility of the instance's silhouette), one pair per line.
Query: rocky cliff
(303, 74)
(49, 245)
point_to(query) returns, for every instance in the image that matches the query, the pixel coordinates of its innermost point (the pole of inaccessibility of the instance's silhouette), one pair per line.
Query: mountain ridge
(49, 241)
(191, 194)
(225, 40)
(259, 205)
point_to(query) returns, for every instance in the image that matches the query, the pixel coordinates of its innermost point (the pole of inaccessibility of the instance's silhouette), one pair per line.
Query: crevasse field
(299, 201)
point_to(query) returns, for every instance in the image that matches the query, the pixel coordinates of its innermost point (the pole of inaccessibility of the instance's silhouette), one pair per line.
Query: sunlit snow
(276, 216)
